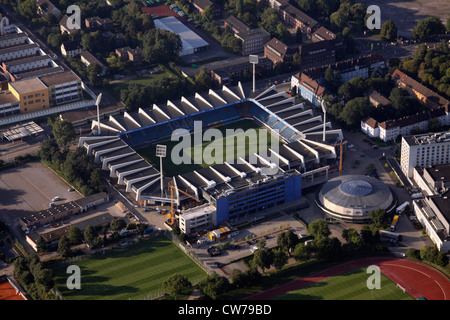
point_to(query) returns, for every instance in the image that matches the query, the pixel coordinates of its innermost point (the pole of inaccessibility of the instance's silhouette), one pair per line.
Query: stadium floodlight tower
(97, 103)
(253, 59)
(324, 109)
(161, 151)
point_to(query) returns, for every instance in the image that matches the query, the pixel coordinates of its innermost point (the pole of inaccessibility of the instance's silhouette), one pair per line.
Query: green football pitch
(347, 286)
(134, 272)
(237, 139)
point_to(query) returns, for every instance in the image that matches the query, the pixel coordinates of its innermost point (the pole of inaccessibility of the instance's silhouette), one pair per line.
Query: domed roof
(354, 196)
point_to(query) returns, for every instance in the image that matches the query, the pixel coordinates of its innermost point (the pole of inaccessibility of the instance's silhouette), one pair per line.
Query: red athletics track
(418, 280)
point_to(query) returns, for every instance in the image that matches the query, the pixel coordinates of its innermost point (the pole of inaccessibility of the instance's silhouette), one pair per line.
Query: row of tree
(429, 254)
(36, 280)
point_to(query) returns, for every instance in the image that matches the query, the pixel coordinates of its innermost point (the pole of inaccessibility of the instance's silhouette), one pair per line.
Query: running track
(418, 280)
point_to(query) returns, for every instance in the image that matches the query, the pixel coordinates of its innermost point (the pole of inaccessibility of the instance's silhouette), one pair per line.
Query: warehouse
(192, 42)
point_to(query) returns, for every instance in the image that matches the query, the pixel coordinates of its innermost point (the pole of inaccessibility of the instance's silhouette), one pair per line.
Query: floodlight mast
(324, 109)
(97, 103)
(161, 153)
(253, 59)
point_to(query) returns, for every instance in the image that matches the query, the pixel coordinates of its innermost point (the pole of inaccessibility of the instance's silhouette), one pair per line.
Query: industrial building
(232, 191)
(352, 197)
(432, 208)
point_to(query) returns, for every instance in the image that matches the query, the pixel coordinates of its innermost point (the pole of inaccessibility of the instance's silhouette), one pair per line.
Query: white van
(55, 198)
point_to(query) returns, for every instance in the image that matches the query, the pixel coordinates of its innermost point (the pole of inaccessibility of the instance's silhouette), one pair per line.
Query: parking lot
(30, 188)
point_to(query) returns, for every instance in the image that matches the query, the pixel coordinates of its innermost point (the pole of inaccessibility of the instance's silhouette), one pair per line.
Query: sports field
(134, 272)
(237, 139)
(347, 286)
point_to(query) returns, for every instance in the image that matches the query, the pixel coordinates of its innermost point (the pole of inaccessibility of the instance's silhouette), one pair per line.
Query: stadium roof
(189, 38)
(282, 115)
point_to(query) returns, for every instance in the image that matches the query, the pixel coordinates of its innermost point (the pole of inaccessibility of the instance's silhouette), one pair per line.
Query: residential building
(201, 5)
(71, 48)
(63, 88)
(390, 130)
(67, 25)
(277, 51)
(97, 23)
(370, 127)
(293, 16)
(135, 55)
(228, 73)
(424, 150)
(322, 34)
(253, 40)
(31, 93)
(309, 89)
(351, 68)
(44, 7)
(377, 99)
(316, 54)
(87, 58)
(416, 89)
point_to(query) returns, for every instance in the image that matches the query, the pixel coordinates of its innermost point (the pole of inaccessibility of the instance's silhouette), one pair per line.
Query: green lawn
(133, 272)
(228, 142)
(347, 286)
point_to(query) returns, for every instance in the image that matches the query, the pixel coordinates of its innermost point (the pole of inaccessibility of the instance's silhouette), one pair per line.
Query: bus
(394, 222)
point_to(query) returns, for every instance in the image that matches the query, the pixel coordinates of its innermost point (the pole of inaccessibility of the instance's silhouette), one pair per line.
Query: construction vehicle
(172, 211)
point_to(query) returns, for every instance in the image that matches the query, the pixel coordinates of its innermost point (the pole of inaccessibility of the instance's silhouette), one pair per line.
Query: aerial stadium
(228, 191)
(352, 197)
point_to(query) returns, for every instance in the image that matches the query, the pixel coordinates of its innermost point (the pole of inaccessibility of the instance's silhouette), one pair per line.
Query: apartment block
(64, 87)
(253, 40)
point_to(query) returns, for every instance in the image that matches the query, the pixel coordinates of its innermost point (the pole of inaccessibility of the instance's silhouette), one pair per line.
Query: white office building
(424, 150)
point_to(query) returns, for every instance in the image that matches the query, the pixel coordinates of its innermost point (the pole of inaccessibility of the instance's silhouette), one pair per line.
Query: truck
(402, 207)
(394, 222)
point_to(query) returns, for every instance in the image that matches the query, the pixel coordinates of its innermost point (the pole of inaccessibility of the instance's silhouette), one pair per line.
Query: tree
(94, 74)
(45, 278)
(117, 224)
(280, 258)
(74, 235)
(441, 259)
(64, 247)
(302, 252)
(287, 240)
(355, 110)
(41, 244)
(214, 285)
(27, 9)
(177, 284)
(388, 30)
(428, 27)
(434, 125)
(263, 259)
(63, 131)
(327, 248)
(413, 253)
(319, 229)
(202, 81)
(89, 234)
(378, 218)
(48, 149)
(160, 46)
(429, 253)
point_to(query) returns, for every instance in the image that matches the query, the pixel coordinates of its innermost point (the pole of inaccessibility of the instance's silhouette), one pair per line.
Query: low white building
(191, 41)
(197, 219)
(370, 127)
